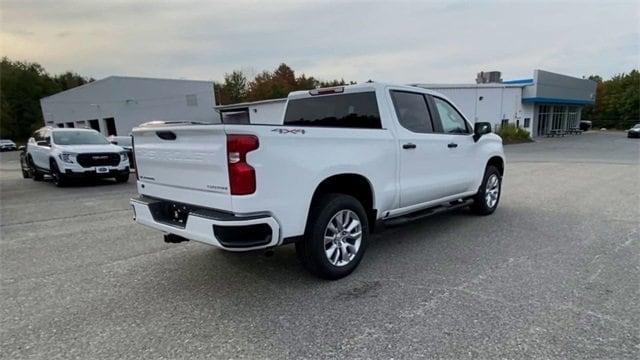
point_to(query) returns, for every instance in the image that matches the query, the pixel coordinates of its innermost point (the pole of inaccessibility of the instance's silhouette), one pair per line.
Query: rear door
(185, 164)
(425, 170)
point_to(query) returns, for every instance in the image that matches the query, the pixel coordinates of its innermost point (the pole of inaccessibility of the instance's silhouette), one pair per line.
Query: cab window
(451, 120)
(412, 111)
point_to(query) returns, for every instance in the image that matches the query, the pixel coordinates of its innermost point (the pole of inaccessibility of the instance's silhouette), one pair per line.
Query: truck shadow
(281, 265)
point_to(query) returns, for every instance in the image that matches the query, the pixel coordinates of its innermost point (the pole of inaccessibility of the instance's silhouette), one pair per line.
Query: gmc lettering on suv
(343, 160)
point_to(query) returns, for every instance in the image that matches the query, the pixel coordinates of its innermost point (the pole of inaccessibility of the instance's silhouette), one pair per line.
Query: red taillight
(133, 157)
(242, 177)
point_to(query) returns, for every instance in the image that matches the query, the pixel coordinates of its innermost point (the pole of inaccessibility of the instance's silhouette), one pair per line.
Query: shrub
(511, 133)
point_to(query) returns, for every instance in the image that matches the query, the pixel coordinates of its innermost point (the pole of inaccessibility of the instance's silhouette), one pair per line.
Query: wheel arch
(352, 184)
(498, 162)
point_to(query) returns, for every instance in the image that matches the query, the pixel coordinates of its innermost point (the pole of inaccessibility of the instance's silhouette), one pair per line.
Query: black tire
(26, 172)
(122, 178)
(311, 249)
(35, 174)
(480, 203)
(58, 179)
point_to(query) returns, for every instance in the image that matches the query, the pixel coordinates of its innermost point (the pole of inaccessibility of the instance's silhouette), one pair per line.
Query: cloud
(399, 41)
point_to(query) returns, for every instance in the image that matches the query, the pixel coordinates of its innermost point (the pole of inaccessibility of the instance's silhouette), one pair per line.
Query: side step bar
(401, 220)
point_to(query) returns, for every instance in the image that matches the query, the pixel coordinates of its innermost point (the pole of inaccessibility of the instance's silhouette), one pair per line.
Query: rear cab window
(350, 110)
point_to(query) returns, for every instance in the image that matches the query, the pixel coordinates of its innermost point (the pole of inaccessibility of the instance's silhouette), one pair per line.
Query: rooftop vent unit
(486, 77)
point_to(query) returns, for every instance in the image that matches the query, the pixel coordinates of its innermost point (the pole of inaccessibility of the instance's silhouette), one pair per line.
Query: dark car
(634, 132)
(7, 145)
(585, 125)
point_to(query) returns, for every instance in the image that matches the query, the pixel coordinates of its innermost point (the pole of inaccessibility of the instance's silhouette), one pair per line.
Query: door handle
(409, 146)
(452, 145)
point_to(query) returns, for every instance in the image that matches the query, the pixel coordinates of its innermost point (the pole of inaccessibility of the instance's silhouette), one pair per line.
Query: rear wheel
(486, 200)
(336, 237)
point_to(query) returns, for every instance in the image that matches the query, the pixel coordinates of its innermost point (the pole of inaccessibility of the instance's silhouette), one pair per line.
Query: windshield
(636, 126)
(3, 141)
(79, 138)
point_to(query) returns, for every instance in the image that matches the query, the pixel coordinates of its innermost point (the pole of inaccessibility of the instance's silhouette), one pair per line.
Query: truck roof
(367, 86)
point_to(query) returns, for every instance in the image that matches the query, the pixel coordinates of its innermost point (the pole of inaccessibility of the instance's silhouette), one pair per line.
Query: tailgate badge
(288, 131)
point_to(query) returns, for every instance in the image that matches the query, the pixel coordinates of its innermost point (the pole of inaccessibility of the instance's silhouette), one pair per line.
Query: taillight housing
(242, 176)
(133, 158)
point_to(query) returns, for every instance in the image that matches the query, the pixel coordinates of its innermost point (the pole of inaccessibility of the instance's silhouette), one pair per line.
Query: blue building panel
(545, 100)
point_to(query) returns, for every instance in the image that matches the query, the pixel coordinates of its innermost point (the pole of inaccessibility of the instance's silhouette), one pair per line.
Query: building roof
(472, 86)
(117, 77)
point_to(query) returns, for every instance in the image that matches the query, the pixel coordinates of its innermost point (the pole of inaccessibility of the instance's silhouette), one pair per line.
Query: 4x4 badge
(288, 131)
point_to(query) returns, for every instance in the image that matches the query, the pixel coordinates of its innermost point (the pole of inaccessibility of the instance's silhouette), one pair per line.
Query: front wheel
(122, 178)
(486, 200)
(35, 174)
(336, 236)
(57, 177)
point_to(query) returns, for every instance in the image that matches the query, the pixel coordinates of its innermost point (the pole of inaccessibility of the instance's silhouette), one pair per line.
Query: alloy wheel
(342, 237)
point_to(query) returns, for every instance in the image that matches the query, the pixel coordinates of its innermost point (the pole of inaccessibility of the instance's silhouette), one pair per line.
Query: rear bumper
(221, 229)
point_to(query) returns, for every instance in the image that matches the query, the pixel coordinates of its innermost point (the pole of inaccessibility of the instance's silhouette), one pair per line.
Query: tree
(617, 103)
(234, 89)
(22, 85)
(282, 81)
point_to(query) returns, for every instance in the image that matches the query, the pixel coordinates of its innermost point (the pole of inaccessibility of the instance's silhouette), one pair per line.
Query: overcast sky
(408, 41)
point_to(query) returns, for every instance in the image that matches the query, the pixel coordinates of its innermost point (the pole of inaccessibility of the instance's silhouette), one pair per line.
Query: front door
(461, 153)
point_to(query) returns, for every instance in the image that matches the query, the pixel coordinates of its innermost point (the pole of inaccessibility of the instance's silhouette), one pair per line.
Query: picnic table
(556, 132)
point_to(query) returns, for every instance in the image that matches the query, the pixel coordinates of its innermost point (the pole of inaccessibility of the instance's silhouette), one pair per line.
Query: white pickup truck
(342, 160)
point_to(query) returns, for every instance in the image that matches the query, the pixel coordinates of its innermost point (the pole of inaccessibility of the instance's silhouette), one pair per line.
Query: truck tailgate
(186, 163)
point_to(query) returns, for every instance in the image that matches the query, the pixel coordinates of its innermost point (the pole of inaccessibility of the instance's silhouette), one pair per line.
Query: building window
(544, 115)
(558, 118)
(526, 122)
(111, 126)
(504, 122)
(70, 125)
(94, 124)
(192, 100)
(60, 125)
(572, 117)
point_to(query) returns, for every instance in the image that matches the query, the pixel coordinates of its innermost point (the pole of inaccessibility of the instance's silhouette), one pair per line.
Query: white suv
(65, 153)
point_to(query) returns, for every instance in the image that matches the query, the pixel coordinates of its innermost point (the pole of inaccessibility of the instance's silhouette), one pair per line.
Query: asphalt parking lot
(554, 273)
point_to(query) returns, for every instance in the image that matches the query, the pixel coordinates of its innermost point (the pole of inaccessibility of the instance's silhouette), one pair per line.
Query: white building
(116, 104)
(546, 102)
(257, 112)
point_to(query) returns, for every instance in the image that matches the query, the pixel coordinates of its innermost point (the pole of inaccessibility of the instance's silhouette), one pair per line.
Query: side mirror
(114, 142)
(481, 128)
(21, 148)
